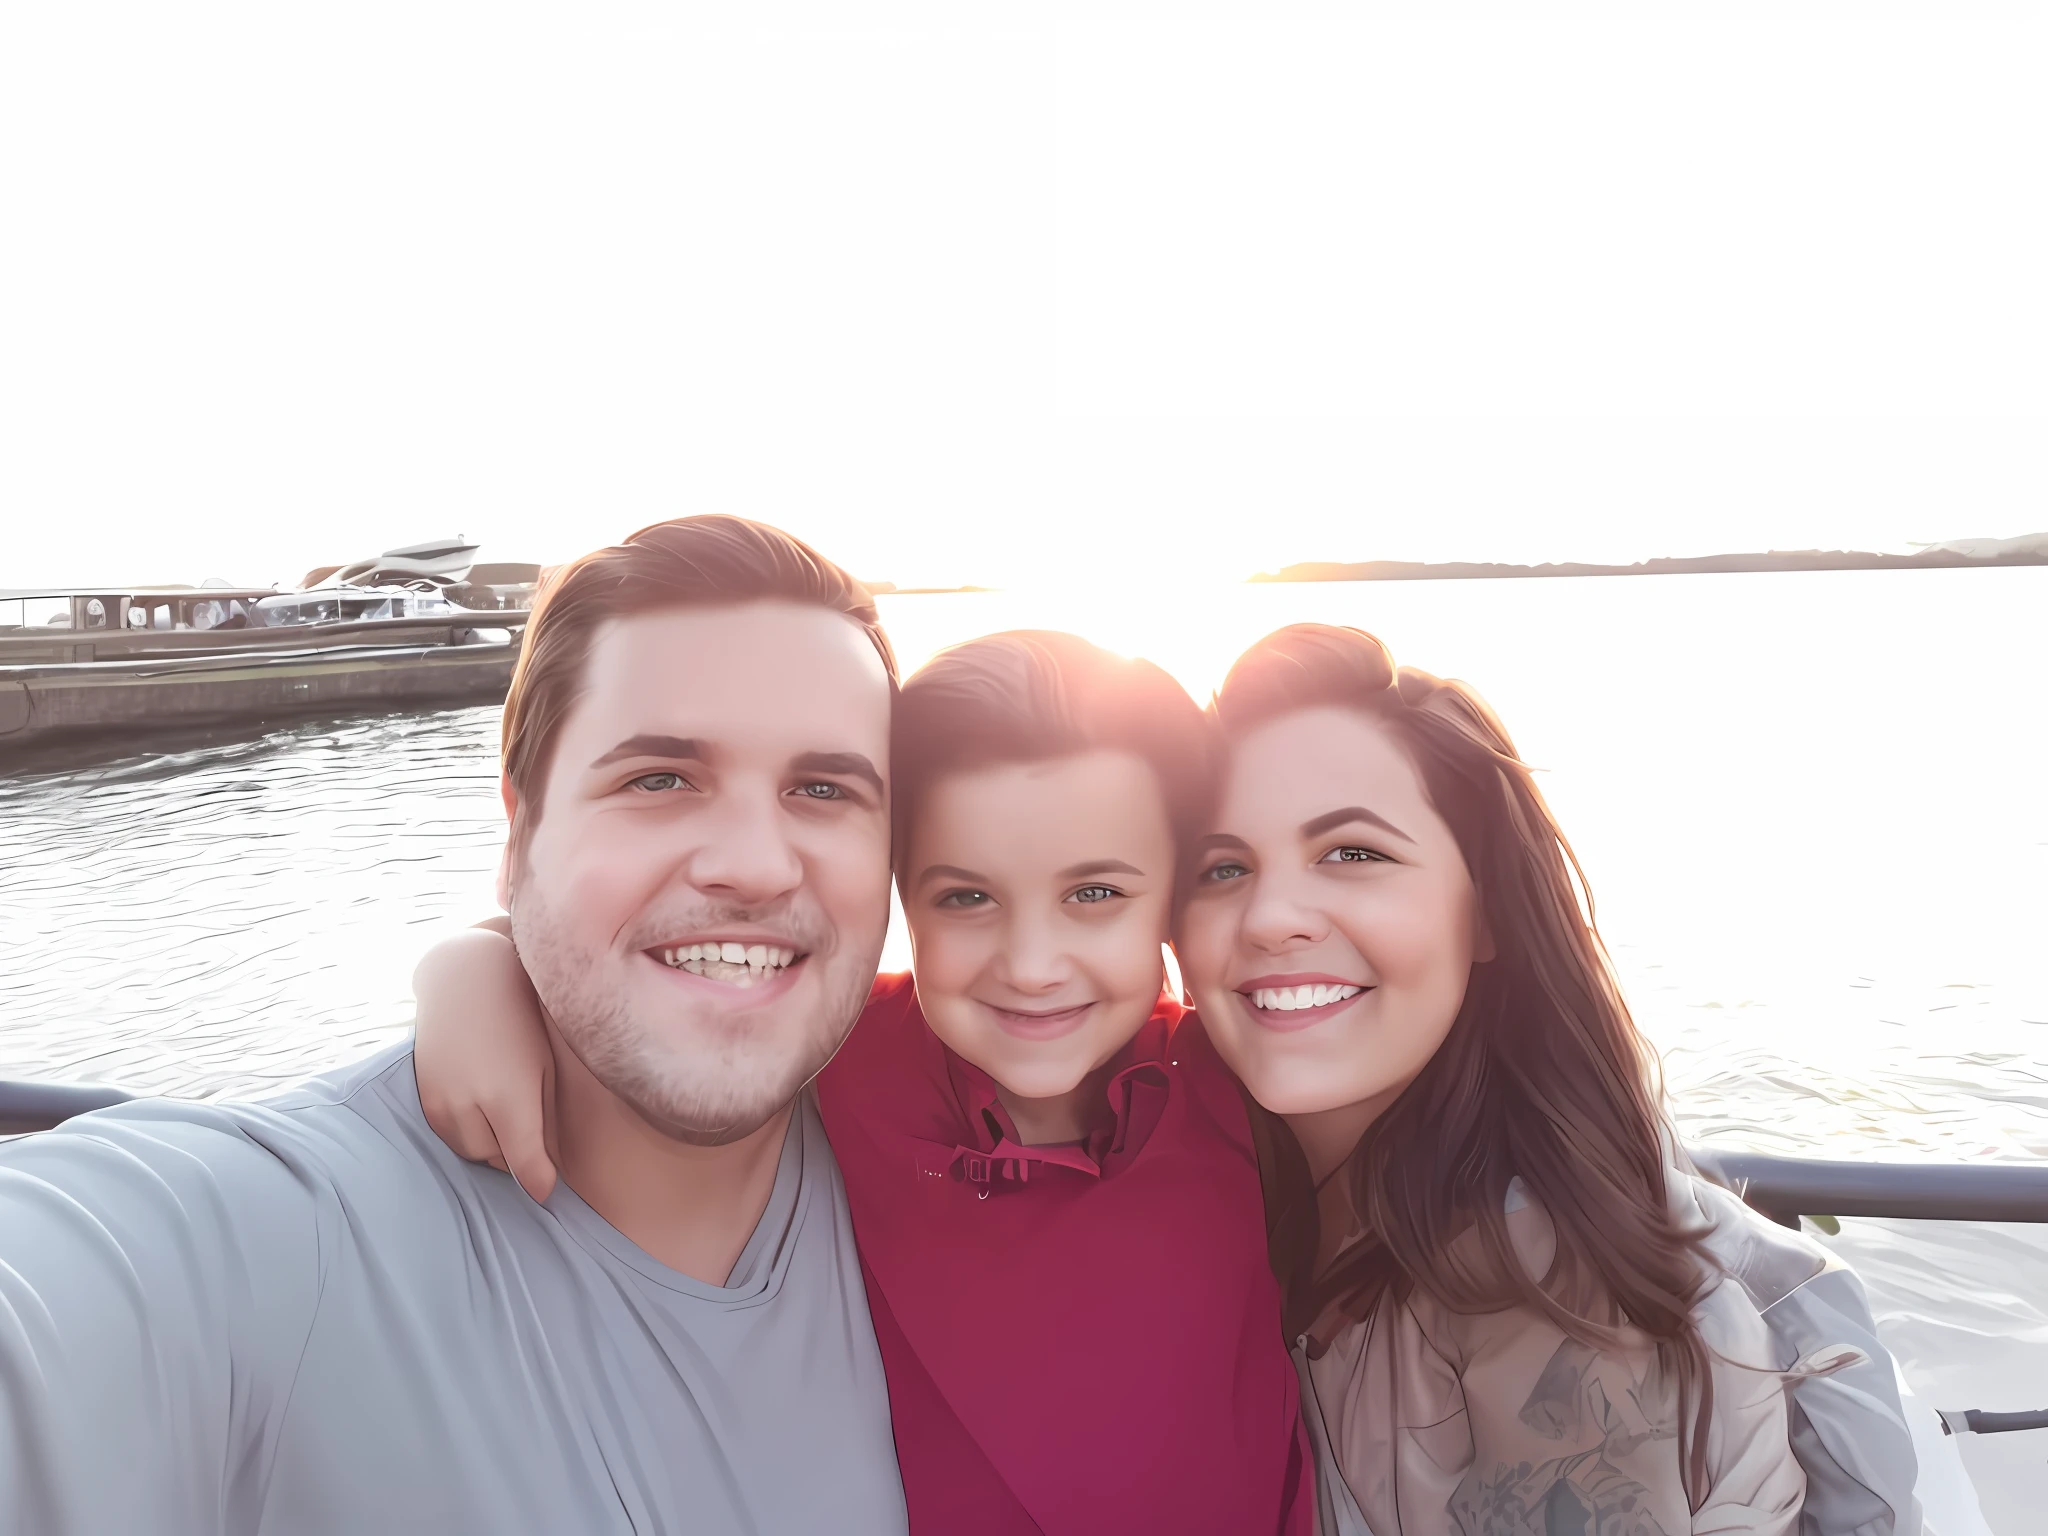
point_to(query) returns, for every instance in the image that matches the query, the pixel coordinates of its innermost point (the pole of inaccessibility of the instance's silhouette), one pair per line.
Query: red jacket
(1079, 1339)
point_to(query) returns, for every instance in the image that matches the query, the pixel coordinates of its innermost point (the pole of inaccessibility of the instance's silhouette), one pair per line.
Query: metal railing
(1782, 1188)
(39, 1106)
(1787, 1188)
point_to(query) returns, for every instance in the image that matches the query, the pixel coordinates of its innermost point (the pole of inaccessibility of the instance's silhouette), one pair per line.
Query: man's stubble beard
(703, 1091)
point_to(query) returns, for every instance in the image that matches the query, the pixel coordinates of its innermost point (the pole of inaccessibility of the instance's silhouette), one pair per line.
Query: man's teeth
(1287, 999)
(742, 964)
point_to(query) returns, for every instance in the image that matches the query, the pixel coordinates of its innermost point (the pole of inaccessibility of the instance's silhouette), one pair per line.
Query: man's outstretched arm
(158, 1272)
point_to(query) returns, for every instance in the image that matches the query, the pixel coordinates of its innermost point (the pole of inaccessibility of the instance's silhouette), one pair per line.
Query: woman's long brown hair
(1543, 1075)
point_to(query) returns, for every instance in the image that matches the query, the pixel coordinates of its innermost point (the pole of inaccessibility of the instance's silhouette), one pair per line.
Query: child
(1051, 1173)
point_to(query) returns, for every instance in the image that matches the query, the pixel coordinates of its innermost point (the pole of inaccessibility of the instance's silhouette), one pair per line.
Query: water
(1813, 809)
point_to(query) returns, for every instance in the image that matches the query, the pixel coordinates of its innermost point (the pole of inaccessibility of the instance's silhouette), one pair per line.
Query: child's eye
(1229, 869)
(1090, 894)
(1353, 855)
(658, 783)
(964, 901)
(821, 791)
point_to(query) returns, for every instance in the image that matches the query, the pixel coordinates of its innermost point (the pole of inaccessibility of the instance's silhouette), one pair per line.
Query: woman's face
(1333, 923)
(1038, 896)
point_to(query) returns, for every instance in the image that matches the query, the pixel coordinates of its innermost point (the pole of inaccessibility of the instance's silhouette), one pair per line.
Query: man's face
(702, 899)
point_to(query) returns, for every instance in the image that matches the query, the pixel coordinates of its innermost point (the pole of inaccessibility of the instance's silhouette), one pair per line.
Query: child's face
(1038, 895)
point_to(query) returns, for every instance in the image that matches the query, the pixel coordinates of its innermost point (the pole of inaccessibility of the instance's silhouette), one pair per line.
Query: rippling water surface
(1814, 809)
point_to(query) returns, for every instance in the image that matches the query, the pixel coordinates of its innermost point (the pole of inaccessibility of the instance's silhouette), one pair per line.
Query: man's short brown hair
(687, 562)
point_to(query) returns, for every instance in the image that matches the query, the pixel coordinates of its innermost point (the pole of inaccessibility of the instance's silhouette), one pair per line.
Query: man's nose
(745, 853)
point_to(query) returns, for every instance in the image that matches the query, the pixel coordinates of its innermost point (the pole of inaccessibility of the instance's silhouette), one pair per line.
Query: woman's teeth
(1287, 999)
(740, 964)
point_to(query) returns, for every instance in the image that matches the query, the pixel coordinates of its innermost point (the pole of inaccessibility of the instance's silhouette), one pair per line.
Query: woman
(1514, 1309)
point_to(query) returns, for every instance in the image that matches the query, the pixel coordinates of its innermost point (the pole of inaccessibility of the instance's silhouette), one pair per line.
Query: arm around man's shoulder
(159, 1271)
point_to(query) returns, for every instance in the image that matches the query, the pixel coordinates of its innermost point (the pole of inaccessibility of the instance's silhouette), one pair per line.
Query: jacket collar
(988, 1151)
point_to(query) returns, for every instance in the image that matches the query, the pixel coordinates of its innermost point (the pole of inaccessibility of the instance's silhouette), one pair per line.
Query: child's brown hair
(1032, 695)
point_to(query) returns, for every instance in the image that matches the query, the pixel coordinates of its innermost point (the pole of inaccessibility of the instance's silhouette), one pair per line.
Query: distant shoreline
(1773, 560)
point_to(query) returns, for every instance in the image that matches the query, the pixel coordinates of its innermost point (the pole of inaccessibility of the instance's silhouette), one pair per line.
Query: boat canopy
(441, 562)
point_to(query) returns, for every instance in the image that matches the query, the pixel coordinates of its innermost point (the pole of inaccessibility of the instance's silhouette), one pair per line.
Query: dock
(78, 678)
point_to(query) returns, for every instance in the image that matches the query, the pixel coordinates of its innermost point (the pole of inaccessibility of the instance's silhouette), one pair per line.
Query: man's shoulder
(372, 1087)
(284, 1147)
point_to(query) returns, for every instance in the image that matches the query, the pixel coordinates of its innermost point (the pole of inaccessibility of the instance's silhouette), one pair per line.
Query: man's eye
(1353, 855)
(1230, 869)
(1090, 894)
(964, 901)
(821, 791)
(657, 783)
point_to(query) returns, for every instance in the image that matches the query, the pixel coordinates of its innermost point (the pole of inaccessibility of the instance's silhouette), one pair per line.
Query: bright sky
(1079, 292)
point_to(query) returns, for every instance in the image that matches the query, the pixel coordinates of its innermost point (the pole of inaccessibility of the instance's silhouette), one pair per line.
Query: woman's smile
(1296, 1000)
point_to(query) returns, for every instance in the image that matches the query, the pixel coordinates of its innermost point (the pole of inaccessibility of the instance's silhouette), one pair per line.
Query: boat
(79, 661)
(349, 603)
(443, 565)
(442, 562)
(77, 623)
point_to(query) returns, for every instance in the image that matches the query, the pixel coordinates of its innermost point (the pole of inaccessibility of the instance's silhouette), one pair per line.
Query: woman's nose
(1277, 918)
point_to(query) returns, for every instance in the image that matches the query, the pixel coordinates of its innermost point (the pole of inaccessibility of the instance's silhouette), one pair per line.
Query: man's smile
(733, 962)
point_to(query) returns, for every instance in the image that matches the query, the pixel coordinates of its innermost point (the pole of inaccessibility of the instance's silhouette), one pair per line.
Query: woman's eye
(1353, 855)
(1089, 894)
(658, 783)
(1230, 869)
(821, 792)
(963, 901)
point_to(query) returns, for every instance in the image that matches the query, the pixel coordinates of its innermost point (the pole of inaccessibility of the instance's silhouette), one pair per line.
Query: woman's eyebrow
(1099, 867)
(1333, 819)
(1223, 840)
(933, 872)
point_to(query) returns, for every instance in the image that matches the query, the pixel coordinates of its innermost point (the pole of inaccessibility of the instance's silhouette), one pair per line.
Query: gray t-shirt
(307, 1315)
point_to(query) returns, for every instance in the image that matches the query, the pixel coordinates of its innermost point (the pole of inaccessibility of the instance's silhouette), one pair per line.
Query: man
(307, 1315)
